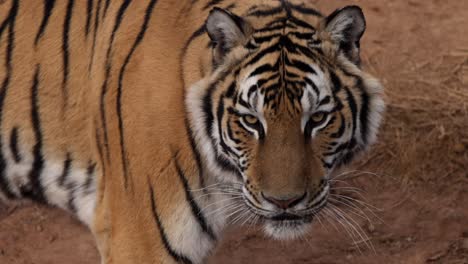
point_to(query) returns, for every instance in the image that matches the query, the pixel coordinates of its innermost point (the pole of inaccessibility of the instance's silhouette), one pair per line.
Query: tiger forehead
(282, 74)
(282, 16)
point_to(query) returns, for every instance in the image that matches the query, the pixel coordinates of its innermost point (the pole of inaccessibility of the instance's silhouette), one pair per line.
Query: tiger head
(286, 103)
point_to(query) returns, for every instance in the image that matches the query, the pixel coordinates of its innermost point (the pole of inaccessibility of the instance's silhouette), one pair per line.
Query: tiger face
(286, 104)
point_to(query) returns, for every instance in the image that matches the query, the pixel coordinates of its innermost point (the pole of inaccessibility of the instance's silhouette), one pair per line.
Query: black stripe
(118, 22)
(71, 196)
(102, 109)
(338, 149)
(325, 100)
(89, 14)
(348, 154)
(272, 28)
(96, 26)
(302, 35)
(300, 23)
(335, 81)
(304, 67)
(328, 165)
(207, 109)
(196, 211)
(4, 24)
(37, 190)
(312, 84)
(106, 6)
(194, 35)
(231, 90)
(262, 69)
(99, 148)
(352, 108)
(89, 175)
(66, 170)
(266, 37)
(341, 129)
(305, 10)
(14, 145)
(48, 6)
(231, 133)
(196, 154)
(268, 12)
(286, 7)
(364, 115)
(262, 53)
(141, 34)
(364, 112)
(312, 54)
(162, 233)
(209, 119)
(65, 49)
(212, 3)
(10, 21)
(220, 114)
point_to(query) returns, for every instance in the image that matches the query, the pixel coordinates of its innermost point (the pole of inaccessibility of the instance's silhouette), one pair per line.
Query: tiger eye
(250, 119)
(318, 117)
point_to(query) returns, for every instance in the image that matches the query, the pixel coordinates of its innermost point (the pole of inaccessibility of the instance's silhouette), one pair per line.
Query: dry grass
(425, 133)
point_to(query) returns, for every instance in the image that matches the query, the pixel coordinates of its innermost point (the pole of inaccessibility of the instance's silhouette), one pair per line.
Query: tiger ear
(226, 31)
(346, 27)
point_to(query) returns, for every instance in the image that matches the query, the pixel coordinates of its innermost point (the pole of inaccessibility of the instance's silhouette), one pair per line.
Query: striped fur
(158, 123)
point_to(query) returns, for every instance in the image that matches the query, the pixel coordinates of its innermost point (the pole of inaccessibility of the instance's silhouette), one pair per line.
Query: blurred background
(412, 187)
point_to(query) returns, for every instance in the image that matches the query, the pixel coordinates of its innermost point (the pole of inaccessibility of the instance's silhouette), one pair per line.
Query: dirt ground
(415, 179)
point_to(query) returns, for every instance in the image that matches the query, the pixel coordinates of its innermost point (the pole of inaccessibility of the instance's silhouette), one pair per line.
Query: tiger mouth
(304, 215)
(286, 217)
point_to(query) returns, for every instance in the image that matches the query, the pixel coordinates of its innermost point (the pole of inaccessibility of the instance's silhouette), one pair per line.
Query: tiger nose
(284, 203)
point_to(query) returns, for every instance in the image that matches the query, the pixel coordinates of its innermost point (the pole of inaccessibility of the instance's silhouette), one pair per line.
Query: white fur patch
(17, 175)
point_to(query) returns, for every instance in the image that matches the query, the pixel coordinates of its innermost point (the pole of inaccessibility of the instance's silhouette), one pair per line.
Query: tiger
(160, 123)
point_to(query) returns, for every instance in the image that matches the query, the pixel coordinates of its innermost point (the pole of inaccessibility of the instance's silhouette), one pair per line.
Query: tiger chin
(160, 123)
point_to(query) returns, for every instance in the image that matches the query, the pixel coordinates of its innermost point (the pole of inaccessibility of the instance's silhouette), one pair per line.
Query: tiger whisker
(367, 205)
(224, 209)
(219, 202)
(345, 225)
(358, 203)
(353, 209)
(240, 217)
(347, 188)
(356, 227)
(317, 216)
(250, 216)
(326, 211)
(362, 234)
(219, 193)
(239, 209)
(217, 186)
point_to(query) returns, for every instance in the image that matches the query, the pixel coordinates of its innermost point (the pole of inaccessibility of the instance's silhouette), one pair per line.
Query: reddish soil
(416, 176)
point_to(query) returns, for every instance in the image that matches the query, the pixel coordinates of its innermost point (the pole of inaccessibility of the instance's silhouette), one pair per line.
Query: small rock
(437, 256)
(371, 228)
(39, 228)
(459, 148)
(52, 238)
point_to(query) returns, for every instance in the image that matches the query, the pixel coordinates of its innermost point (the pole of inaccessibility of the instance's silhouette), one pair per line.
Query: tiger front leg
(151, 225)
